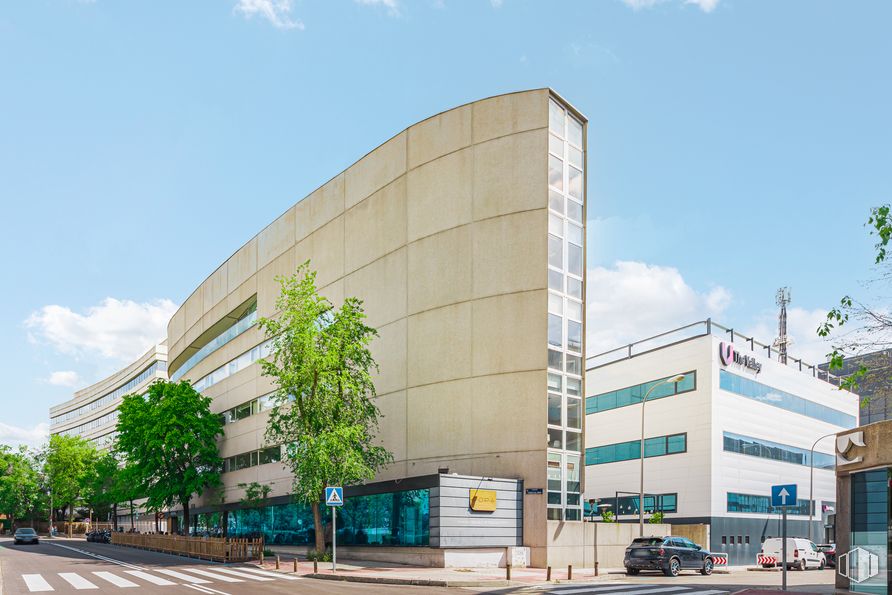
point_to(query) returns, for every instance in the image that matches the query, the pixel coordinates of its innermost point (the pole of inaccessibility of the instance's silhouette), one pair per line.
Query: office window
(555, 359)
(724, 540)
(758, 504)
(574, 387)
(766, 449)
(747, 539)
(628, 505)
(554, 409)
(574, 288)
(574, 413)
(556, 201)
(574, 211)
(626, 451)
(555, 172)
(633, 395)
(574, 365)
(574, 336)
(555, 252)
(555, 334)
(555, 280)
(746, 387)
(555, 438)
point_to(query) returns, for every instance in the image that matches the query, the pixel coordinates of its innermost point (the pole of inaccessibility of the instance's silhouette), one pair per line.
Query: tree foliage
(67, 463)
(873, 325)
(323, 411)
(168, 441)
(20, 486)
(102, 486)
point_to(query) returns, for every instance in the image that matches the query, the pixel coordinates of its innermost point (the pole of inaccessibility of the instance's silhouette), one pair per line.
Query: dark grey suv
(25, 535)
(669, 554)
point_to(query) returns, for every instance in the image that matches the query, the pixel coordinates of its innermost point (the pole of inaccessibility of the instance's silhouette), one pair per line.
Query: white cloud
(635, 300)
(119, 330)
(15, 436)
(704, 5)
(496, 3)
(64, 378)
(392, 6)
(277, 12)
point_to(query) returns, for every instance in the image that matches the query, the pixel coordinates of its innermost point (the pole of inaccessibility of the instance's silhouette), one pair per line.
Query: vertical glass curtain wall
(390, 519)
(867, 560)
(566, 233)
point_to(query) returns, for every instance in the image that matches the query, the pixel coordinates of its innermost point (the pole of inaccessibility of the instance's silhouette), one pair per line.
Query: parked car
(829, 551)
(25, 535)
(98, 536)
(801, 553)
(670, 554)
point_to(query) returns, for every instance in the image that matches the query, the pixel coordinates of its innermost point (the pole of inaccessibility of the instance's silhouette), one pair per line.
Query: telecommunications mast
(782, 298)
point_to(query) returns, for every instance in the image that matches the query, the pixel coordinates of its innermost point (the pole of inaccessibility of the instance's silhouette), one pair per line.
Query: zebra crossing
(194, 578)
(630, 589)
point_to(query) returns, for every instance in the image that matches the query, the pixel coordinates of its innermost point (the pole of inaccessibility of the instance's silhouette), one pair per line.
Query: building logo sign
(844, 445)
(728, 355)
(858, 565)
(482, 500)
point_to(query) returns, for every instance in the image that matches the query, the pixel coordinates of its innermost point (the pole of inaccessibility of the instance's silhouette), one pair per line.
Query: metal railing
(703, 328)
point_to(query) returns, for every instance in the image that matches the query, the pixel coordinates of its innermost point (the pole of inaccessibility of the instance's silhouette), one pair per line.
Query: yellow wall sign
(483, 500)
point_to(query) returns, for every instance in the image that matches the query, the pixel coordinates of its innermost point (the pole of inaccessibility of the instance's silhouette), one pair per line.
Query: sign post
(783, 496)
(334, 497)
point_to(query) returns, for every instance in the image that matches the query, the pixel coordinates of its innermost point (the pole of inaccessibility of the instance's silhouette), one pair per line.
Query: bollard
(315, 566)
(596, 569)
(261, 557)
(569, 572)
(277, 561)
(548, 573)
(508, 571)
(295, 565)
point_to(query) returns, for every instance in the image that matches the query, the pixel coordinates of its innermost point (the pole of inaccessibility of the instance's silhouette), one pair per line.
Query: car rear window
(645, 541)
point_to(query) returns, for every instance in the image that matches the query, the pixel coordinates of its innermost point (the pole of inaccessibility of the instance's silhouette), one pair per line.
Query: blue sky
(735, 147)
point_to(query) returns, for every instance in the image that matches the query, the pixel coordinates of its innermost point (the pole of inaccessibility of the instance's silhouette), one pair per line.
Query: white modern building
(740, 421)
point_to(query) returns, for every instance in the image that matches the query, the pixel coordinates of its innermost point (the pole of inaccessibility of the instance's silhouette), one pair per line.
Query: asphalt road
(69, 566)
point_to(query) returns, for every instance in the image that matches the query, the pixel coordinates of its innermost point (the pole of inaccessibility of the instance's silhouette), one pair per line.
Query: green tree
(101, 485)
(20, 488)
(874, 324)
(656, 518)
(67, 465)
(168, 441)
(607, 517)
(323, 410)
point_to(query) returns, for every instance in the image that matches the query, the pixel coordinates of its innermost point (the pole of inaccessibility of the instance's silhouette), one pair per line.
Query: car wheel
(632, 571)
(801, 565)
(674, 567)
(822, 565)
(707, 567)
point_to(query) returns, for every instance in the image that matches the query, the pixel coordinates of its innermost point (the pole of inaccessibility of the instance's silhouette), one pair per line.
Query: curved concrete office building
(93, 412)
(464, 235)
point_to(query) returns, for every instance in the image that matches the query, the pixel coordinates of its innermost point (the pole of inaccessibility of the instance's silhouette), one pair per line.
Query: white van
(801, 553)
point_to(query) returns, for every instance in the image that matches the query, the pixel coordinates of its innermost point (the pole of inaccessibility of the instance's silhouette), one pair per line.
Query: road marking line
(213, 590)
(114, 579)
(652, 590)
(155, 580)
(593, 588)
(77, 581)
(197, 588)
(717, 592)
(98, 556)
(183, 577)
(268, 573)
(219, 577)
(35, 582)
(242, 574)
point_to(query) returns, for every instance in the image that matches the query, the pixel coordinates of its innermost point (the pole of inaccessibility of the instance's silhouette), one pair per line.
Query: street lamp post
(811, 482)
(673, 380)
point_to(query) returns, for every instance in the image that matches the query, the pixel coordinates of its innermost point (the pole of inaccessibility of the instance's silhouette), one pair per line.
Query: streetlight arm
(811, 482)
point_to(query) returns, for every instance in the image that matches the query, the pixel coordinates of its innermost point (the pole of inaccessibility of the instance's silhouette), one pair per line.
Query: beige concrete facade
(91, 412)
(443, 232)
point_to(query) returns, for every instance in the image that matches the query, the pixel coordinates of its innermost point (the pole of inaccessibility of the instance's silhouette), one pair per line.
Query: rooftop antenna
(782, 298)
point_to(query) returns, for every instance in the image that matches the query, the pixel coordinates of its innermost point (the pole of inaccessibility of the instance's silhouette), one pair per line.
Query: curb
(417, 582)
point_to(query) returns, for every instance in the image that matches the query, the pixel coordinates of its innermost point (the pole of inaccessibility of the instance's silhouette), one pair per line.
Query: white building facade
(740, 421)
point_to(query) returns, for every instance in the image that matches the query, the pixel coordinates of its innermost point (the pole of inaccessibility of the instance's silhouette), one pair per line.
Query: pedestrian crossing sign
(334, 496)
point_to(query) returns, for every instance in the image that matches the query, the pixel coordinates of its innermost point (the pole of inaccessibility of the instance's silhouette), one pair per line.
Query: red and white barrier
(765, 560)
(719, 559)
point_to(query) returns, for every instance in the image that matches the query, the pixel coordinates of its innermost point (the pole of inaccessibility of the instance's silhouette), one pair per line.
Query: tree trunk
(320, 530)
(115, 516)
(184, 500)
(70, 520)
(131, 515)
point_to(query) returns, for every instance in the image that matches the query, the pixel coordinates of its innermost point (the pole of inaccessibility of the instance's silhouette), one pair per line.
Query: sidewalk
(398, 574)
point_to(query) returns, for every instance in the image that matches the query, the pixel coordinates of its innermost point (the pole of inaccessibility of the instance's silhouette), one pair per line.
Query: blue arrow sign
(334, 496)
(784, 495)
